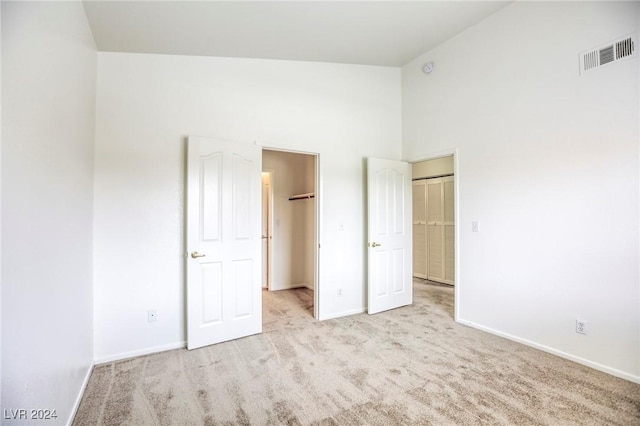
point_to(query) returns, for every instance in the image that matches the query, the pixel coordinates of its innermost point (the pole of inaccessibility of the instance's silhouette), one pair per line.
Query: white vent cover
(611, 52)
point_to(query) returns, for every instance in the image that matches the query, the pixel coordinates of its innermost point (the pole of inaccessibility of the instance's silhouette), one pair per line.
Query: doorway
(290, 231)
(434, 222)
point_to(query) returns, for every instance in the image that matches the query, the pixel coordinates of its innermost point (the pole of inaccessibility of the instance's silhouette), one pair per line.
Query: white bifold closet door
(449, 230)
(419, 229)
(436, 229)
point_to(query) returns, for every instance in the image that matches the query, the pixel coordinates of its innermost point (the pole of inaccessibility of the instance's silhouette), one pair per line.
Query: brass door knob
(195, 255)
(374, 244)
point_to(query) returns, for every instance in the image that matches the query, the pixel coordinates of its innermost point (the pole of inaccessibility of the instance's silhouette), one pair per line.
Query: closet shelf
(302, 196)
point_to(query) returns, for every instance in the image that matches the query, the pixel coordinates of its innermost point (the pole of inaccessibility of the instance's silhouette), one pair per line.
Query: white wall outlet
(475, 226)
(152, 315)
(581, 326)
(340, 292)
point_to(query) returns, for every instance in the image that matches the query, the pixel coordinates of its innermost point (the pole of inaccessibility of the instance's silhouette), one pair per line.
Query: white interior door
(389, 235)
(223, 241)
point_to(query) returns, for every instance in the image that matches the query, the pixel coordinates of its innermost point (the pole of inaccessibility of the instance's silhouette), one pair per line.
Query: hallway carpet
(412, 365)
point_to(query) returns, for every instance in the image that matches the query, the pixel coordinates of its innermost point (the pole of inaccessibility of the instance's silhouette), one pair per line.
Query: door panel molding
(224, 290)
(389, 232)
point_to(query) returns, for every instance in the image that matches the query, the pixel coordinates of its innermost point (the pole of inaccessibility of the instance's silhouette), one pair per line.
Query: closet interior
(289, 220)
(433, 220)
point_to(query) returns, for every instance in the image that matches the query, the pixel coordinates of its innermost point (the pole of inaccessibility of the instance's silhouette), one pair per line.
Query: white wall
(148, 104)
(548, 163)
(293, 221)
(48, 117)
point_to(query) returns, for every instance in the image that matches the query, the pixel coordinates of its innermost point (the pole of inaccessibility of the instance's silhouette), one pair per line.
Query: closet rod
(302, 196)
(433, 177)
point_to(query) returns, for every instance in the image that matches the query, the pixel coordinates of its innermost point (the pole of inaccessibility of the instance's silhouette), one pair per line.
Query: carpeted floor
(412, 365)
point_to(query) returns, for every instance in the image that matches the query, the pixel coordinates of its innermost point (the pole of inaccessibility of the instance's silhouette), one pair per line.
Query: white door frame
(456, 220)
(318, 230)
(269, 265)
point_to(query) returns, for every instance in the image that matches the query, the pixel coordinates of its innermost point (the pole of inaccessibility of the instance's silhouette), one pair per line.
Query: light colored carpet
(412, 365)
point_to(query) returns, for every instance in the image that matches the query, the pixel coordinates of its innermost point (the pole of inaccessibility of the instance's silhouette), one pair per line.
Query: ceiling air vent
(608, 53)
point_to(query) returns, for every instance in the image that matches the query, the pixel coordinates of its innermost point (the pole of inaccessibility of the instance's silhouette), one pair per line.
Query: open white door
(390, 282)
(223, 241)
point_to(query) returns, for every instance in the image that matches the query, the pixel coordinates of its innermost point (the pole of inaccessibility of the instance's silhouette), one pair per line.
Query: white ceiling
(362, 32)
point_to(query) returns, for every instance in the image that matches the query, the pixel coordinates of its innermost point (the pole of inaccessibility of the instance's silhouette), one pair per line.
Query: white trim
(292, 287)
(343, 314)
(561, 354)
(317, 235)
(436, 156)
(139, 352)
(271, 174)
(83, 388)
(456, 235)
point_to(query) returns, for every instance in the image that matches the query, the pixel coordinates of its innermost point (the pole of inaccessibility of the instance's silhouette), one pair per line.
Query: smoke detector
(427, 68)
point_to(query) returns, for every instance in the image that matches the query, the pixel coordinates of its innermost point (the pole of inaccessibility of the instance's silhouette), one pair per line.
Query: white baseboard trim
(342, 314)
(292, 286)
(139, 352)
(76, 405)
(561, 354)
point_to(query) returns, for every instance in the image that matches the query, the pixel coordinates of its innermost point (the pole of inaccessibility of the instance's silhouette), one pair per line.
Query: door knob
(195, 255)
(374, 244)
(264, 237)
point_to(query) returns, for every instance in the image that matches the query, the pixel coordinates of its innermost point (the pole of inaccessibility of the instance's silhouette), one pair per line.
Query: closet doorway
(290, 231)
(433, 220)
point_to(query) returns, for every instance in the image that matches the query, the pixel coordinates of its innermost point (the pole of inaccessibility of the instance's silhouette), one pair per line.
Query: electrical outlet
(581, 326)
(152, 315)
(340, 292)
(475, 226)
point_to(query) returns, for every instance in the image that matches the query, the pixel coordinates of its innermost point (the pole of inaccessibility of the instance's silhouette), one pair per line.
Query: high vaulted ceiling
(388, 33)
